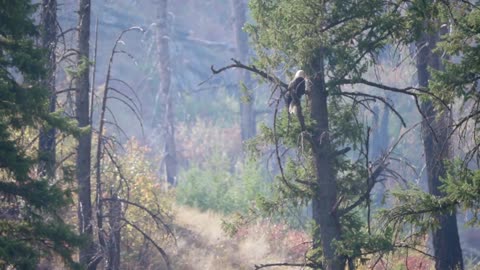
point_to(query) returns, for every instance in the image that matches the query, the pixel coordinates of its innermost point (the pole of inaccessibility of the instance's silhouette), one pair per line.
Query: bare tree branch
(155, 216)
(237, 64)
(310, 265)
(390, 106)
(146, 236)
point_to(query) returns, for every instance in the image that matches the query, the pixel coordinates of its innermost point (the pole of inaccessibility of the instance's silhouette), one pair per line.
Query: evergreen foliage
(341, 41)
(455, 84)
(345, 34)
(348, 35)
(30, 226)
(216, 187)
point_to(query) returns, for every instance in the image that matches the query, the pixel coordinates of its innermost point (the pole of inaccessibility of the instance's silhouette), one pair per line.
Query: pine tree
(332, 41)
(436, 132)
(30, 226)
(453, 184)
(427, 23)
(46, 141)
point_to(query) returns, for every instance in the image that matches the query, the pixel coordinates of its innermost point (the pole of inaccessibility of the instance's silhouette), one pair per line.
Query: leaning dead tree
(110, 210)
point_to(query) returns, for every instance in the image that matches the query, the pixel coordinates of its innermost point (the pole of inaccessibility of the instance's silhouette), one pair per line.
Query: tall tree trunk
(164, 95)
(82, 85)
(325, 193)
(379, 144)
(379, 138)
(247, 98)
(446, 244)
(48, 39)
(114, 216)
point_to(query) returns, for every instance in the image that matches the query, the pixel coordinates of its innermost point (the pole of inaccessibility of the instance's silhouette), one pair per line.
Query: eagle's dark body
(295, 91)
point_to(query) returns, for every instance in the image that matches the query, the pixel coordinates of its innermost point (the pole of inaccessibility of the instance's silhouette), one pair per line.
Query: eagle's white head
(299, 73)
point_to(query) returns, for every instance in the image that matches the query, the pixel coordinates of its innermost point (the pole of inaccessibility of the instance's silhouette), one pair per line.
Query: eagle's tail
(292, 109)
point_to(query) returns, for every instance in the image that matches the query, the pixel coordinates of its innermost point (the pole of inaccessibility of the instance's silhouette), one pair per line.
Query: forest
(240, 134)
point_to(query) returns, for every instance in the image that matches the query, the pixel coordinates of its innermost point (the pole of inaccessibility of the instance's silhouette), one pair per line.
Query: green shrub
(219, 187)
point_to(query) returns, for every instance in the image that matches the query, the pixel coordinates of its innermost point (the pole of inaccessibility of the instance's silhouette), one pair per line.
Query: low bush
(221, 187)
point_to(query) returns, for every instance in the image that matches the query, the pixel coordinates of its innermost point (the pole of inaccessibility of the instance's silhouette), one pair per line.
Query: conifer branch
(372, 180)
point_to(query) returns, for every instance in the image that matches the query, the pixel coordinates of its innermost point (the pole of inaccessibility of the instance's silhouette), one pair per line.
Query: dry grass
(202, 244)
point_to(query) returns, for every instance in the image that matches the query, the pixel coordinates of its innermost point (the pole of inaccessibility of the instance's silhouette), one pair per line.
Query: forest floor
(203, 244)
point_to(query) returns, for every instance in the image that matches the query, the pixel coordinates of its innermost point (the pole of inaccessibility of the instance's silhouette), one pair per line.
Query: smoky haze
(208, 177)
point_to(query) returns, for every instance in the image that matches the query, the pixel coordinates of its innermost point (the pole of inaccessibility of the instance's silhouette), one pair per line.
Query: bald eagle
(295, 91)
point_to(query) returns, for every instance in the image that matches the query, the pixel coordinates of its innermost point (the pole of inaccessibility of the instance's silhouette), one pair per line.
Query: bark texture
(114, 218)
(435, 131)
(47, 144)
(82, 85)
(247, 98)
(325, 193)
(164, 99)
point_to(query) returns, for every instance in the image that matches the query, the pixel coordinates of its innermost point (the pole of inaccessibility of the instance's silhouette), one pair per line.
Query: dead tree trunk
(325, 190)
(82, 85)
(247, 97)
(114, 218)
(164, 98)
(379, 144)
(435, 131)
(48, 41)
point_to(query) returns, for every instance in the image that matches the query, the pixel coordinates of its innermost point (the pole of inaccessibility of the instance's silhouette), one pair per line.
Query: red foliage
(412, 262)
(294, 243)
(419, 262)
